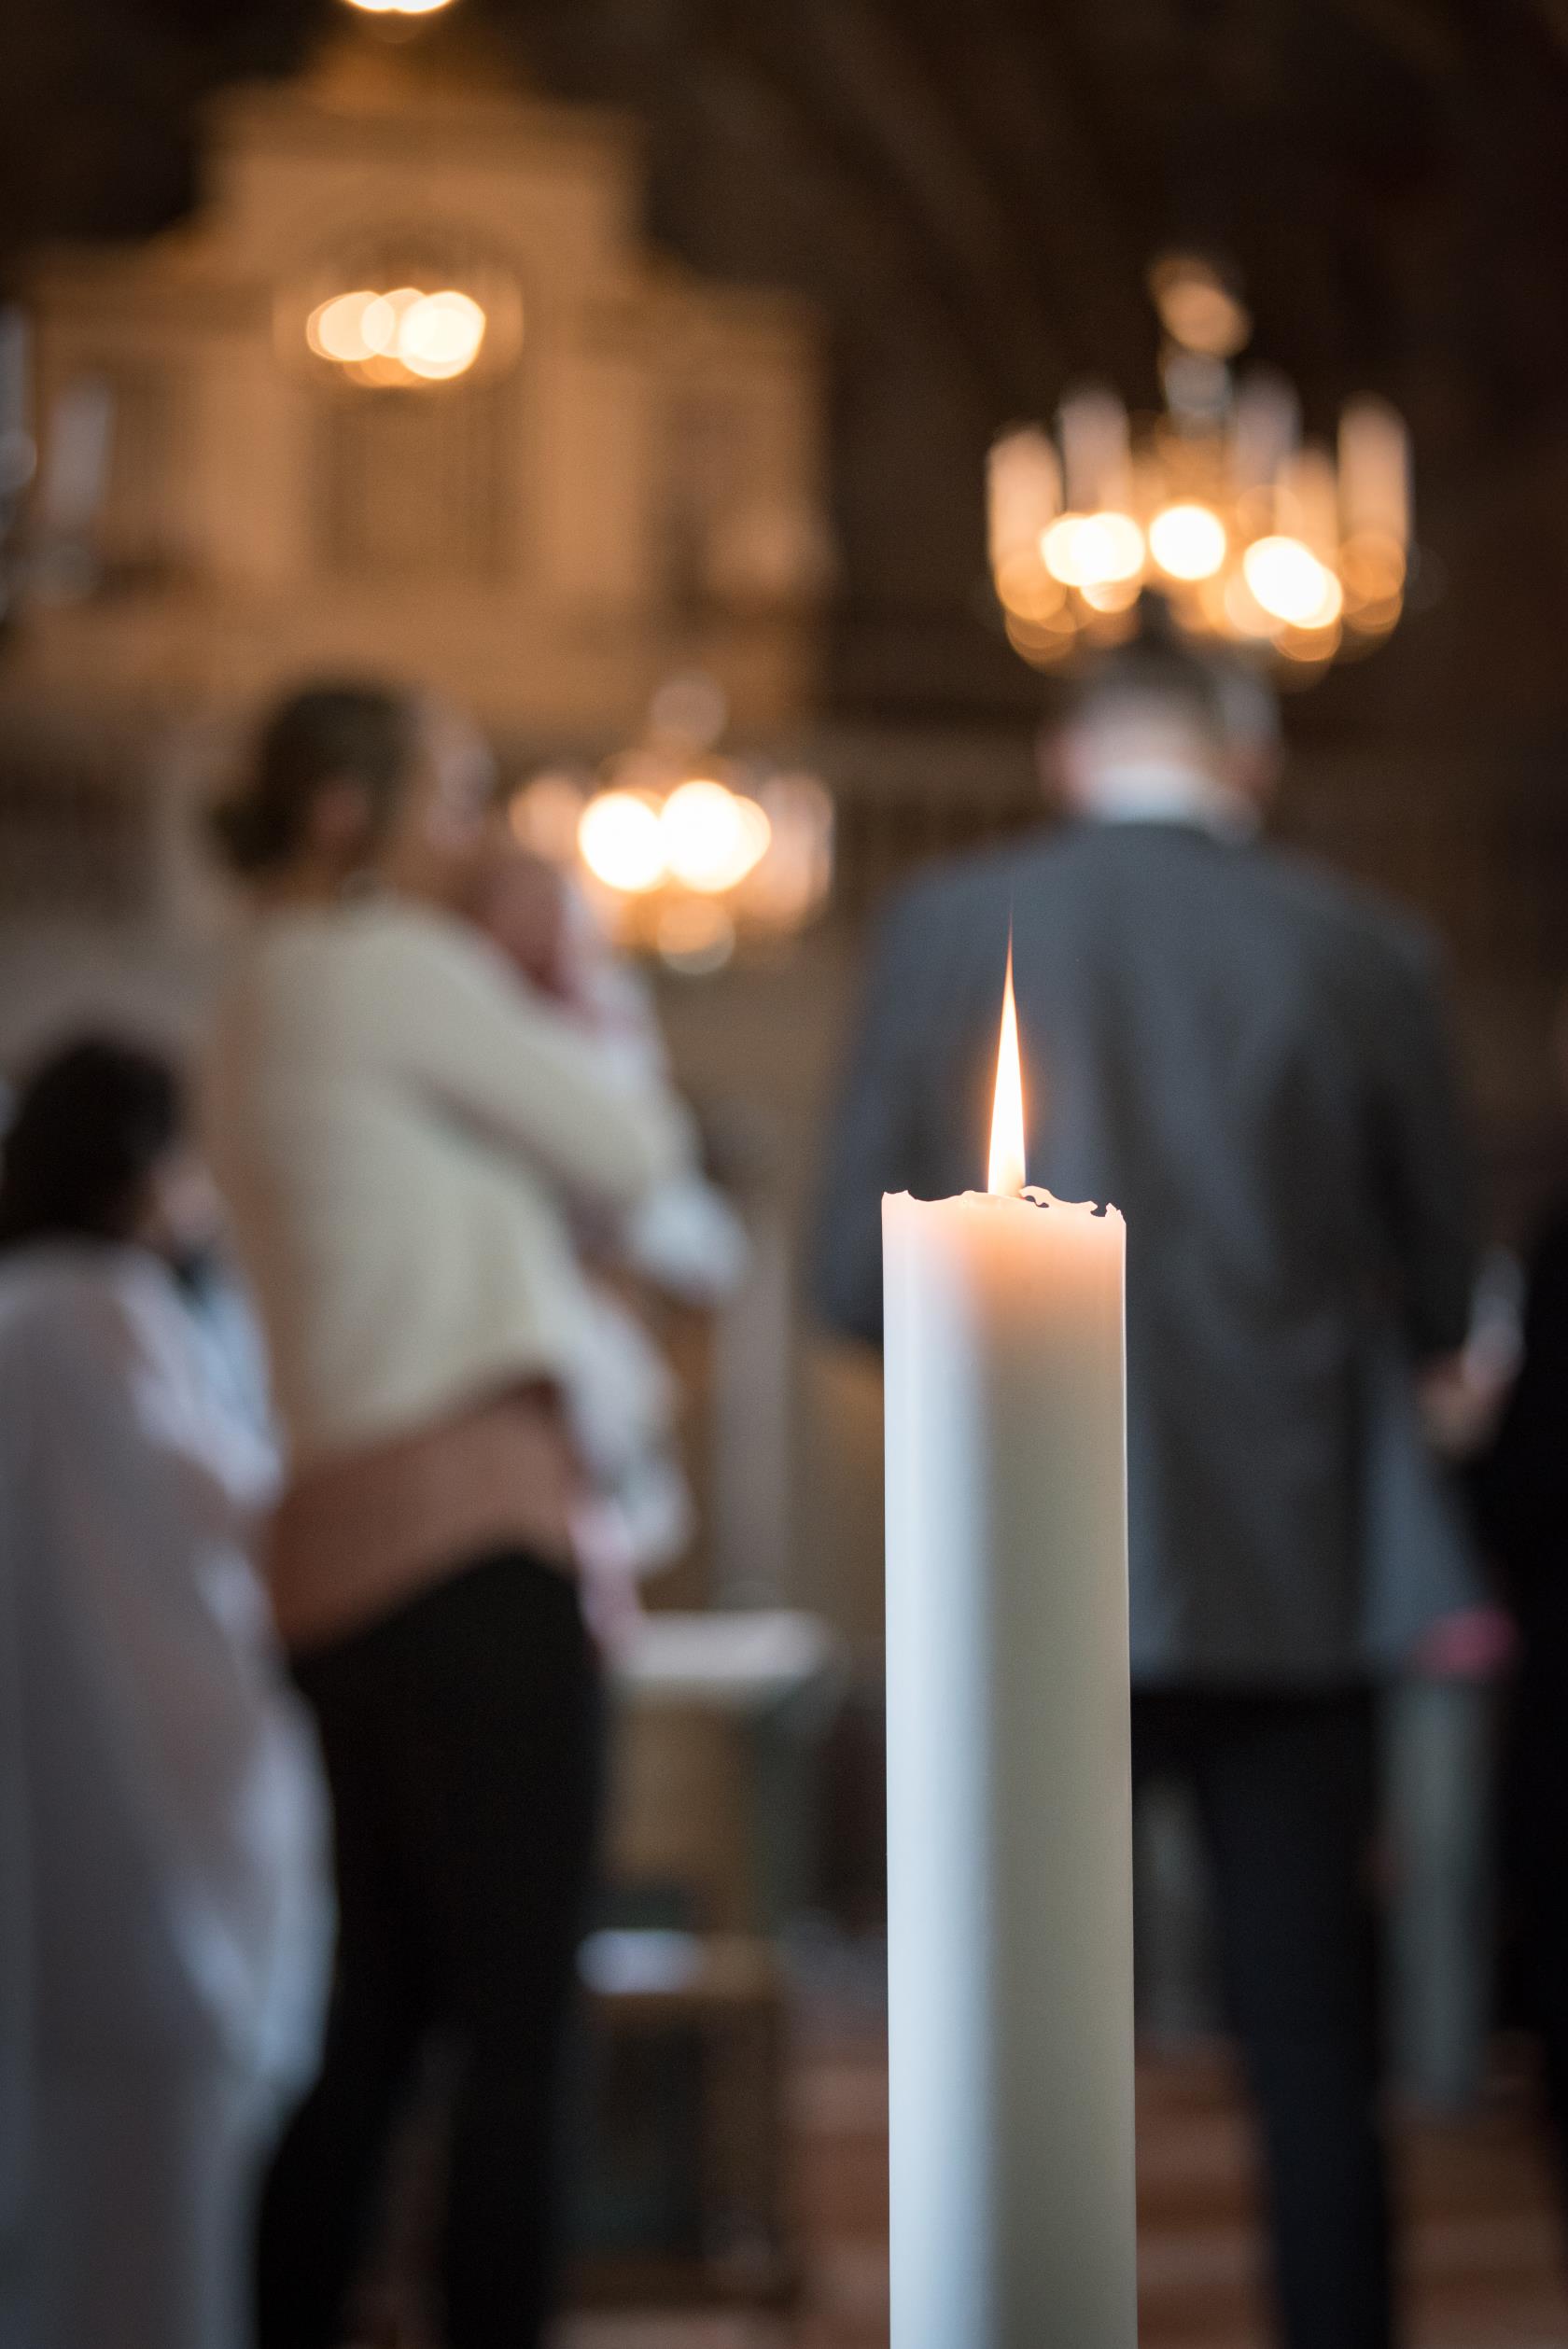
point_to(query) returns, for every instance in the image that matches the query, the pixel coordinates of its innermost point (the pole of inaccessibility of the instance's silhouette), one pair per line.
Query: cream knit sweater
(400, 1130)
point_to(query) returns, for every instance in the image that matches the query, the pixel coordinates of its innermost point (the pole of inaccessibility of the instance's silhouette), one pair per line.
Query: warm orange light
(404, 336)
(712, 836)
(618, 837)
(1188, 540)
(1093, 550)
(336, 329)
(1290, 582)
(1005, 1177)
(440, 334)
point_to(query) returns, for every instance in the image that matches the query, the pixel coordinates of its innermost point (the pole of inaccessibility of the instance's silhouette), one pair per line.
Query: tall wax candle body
(1009, 1829)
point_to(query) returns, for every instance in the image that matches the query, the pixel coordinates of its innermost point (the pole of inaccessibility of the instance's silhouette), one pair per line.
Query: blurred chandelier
(406, 310)
(682, 853)
(1252, 535)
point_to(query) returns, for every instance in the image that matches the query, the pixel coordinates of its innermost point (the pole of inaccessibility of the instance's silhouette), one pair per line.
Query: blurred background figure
(1252, 1062)
(404, 1129)
(167, 1866)
(1443, 1717)
(1523, 1487)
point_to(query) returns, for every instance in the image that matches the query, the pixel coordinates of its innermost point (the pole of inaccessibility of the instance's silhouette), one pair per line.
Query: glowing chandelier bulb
(401, 335)
(440, 334)
(1289, 584)
(621, 840)
(336, 330)
(1096, 550)
(400, 7)
(383, 323)
(1188, 540)
(711, 836)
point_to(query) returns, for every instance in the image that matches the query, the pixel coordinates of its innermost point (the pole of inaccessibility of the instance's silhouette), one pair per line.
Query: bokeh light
(622, 841)
(712, 836)
(687, 866)
(1291, 584)
(336, 330)
(440, 334)
(1188, 540)
(1093, 550)
(405, 335)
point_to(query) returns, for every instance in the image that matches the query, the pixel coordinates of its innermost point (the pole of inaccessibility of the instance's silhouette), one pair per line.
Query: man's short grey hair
(1226, 697)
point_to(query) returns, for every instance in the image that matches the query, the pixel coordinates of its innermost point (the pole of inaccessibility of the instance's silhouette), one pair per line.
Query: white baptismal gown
(162, 1929)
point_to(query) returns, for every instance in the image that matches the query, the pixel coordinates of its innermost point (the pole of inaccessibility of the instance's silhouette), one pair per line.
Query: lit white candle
(1009, 1844)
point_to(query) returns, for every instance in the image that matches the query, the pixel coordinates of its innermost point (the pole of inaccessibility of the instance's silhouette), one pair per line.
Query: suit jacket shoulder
(1351, 914)
(947, 889)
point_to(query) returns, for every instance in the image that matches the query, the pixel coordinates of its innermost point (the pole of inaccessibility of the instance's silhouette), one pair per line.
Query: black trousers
(1536, 1833)
(1285, 1789)
(462, 1743)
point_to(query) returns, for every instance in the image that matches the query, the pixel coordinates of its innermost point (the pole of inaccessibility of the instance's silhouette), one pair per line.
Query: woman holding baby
(405, 1131)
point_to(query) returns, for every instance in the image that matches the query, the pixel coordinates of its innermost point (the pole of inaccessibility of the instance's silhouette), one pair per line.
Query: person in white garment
(162, 1821)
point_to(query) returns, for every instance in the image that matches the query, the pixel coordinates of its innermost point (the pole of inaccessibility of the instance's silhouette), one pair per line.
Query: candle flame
(1006, 1174)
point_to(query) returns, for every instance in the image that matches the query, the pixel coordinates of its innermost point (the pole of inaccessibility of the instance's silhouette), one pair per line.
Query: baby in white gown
(686, 1243)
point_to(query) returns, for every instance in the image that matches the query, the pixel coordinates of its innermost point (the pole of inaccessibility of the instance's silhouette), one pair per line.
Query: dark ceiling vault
(970, 190)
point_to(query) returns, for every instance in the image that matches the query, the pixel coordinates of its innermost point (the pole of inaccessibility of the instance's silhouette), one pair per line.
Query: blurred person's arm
(1423, 1159)
(1462, 1395)
(1522, 1487)
(488, 1050)
(872, 1143)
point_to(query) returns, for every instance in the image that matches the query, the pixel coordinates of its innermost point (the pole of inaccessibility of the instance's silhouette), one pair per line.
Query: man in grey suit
(1251, 1061)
